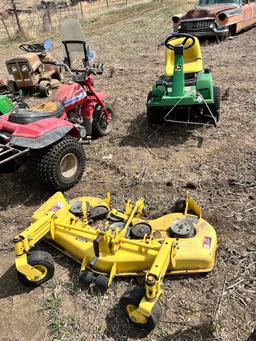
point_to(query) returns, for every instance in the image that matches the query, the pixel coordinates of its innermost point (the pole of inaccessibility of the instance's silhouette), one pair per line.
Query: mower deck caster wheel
(41, 261)
(87, 277)
(101, 282)
(179, 206)
(130, 301)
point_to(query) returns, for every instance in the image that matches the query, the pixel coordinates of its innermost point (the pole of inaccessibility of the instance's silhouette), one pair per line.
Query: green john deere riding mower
(186, 91)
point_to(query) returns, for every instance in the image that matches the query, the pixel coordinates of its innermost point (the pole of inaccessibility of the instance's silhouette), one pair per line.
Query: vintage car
(219, 18)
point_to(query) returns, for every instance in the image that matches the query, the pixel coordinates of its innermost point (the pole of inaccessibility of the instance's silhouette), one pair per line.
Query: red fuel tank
(70, 95)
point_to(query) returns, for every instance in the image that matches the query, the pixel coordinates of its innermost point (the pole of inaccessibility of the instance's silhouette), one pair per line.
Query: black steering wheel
(32, 47)
(174, 36)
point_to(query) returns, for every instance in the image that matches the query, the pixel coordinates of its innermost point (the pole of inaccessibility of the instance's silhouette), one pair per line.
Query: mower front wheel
(45, 89)
(130, 301)
(100, 127)
(153, 113)
(41, 261)
(61, 165)
(215, 107)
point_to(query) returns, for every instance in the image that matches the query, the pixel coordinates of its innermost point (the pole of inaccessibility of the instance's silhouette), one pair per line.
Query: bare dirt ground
(216, 165)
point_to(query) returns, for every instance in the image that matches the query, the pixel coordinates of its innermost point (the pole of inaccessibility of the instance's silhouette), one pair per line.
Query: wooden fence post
(6, 29)
(16, 15)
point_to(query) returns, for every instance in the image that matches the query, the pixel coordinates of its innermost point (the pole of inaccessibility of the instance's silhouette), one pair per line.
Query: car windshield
(213, 2)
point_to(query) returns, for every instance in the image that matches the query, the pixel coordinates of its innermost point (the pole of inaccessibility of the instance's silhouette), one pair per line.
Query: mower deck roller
(109, 243)
(186, 90)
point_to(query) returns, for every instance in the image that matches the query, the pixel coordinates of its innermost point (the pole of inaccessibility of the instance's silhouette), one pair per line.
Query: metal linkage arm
(27, 239)
(154, 279)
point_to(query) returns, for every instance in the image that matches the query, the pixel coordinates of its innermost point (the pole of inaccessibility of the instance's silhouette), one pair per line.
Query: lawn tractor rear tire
(99, 126)
(45, 89)
(215, 107)
(60, 165)
(42, 261)
(132, 298)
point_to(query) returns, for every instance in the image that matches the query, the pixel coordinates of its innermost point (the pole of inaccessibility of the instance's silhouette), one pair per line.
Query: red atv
(52, 135)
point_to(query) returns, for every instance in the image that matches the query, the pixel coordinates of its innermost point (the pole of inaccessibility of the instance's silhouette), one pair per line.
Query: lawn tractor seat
(193, 62)
(45, 110)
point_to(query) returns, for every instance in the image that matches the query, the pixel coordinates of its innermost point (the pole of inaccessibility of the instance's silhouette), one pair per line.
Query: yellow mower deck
(119, 243)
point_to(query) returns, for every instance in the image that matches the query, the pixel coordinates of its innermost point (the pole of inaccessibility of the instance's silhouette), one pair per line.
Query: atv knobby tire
(99, 126)
(42, 261)
(133, 296)
(47, 164)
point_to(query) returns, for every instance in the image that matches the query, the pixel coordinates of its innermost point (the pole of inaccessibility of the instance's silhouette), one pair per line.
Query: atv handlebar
(79, 75)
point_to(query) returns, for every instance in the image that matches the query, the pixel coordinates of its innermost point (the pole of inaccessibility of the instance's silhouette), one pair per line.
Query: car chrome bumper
(209, 32)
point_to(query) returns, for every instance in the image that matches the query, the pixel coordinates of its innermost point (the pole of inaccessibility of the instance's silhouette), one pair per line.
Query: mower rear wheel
(215, 107)
(45, 89)
(155, 116)
(41, 261)
(153, 113)
(100, 127)
(130, 301)
(61, 165)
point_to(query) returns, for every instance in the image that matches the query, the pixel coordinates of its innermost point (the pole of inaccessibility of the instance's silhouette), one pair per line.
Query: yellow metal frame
(109, 251)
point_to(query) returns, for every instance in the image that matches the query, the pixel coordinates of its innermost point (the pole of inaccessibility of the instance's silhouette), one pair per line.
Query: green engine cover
(6, 105)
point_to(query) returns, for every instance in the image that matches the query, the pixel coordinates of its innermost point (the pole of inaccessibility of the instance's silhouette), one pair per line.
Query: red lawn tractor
(53, 134)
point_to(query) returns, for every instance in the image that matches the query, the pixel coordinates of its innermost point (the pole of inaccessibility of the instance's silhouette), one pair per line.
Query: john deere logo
(178, 68)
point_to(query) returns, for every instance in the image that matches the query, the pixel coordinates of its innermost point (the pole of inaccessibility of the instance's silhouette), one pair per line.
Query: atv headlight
(24, 68)
(13, 68)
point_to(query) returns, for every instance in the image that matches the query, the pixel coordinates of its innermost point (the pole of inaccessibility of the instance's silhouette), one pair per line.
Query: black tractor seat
(190, 79)
(46, 110)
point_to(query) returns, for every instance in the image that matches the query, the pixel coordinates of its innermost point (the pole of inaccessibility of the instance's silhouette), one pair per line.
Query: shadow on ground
(10, 285)
(20, 187)
(141, 133)
(119, 328)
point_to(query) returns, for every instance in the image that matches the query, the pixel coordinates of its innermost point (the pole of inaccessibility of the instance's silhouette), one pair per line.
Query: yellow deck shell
(130, 257)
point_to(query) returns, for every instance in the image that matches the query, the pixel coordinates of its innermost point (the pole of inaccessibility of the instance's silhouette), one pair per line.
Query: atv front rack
(8, 152)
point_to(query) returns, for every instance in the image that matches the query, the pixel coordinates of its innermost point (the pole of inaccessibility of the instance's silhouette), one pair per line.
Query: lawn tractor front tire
(215, 107)
(43, 262)
(131, 300)
(60, 165)
(154, 115)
